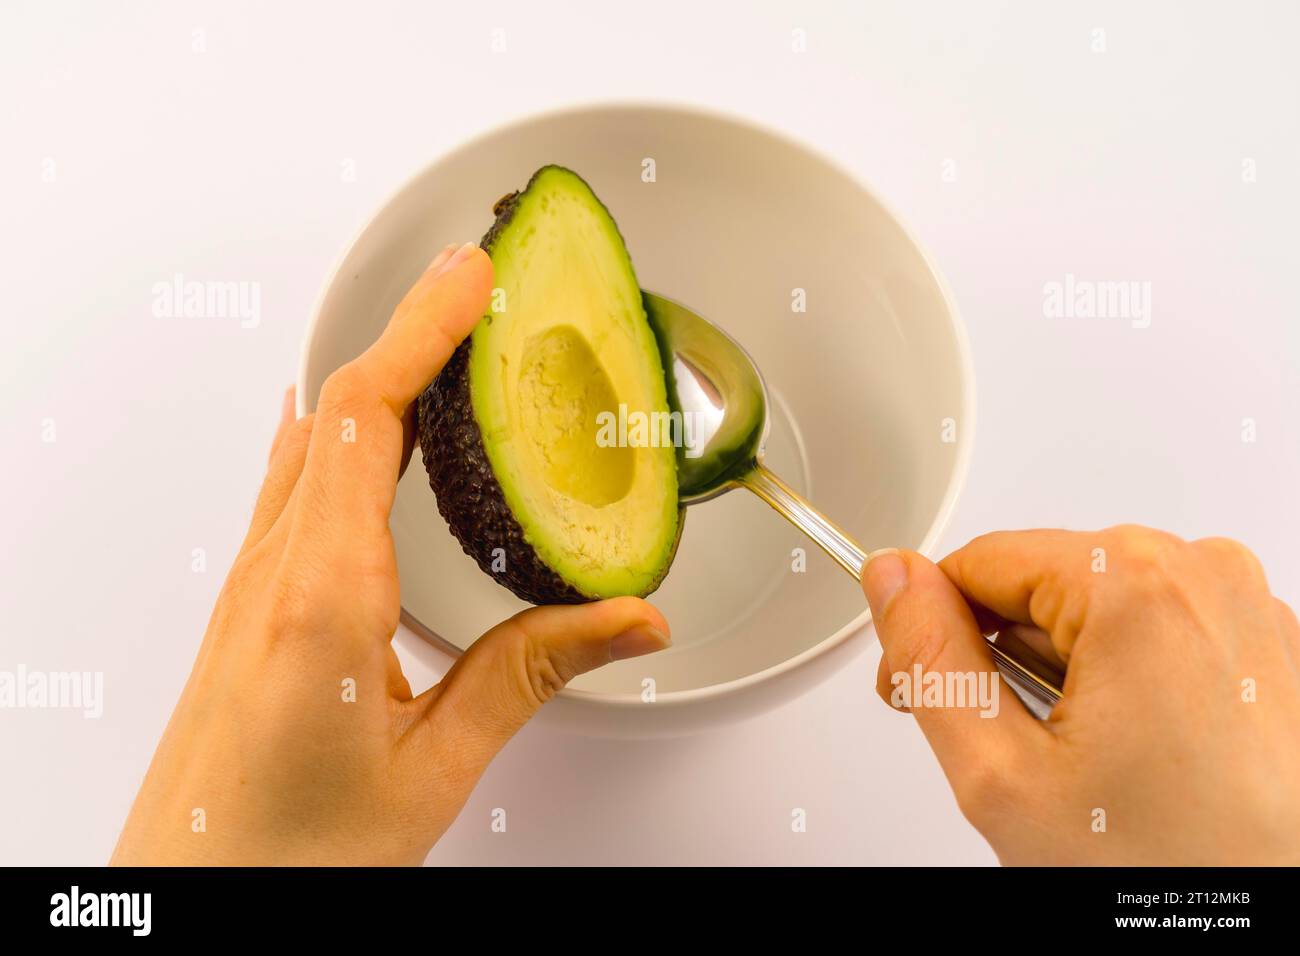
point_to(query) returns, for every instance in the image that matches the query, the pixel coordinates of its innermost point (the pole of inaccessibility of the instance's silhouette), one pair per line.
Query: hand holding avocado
(1178, 738)
(297, 739)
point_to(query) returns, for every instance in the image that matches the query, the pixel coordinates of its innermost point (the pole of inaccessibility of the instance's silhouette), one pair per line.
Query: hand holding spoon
(713, 380)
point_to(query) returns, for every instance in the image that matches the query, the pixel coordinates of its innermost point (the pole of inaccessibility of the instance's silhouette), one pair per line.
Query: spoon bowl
(720, 393)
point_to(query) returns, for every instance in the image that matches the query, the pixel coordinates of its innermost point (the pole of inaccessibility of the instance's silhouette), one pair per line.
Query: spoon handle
(796, 509)
(1041, 688)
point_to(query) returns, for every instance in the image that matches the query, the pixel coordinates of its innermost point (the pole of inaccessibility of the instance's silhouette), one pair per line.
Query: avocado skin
(469, 497)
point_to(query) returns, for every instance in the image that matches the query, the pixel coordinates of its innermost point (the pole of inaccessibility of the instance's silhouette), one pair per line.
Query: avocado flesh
(509, 430)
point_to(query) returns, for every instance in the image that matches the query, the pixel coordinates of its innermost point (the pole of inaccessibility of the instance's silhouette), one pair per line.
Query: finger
(1286, 618)
(940, 666)
(513, 669)
(281, 478)
(1037, 578)
(885, 687)
(428, 324)
(397, 685)
(1290, 630)
(357, 446)
(287, 415)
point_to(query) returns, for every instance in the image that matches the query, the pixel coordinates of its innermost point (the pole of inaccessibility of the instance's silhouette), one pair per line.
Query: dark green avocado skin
(469, 497)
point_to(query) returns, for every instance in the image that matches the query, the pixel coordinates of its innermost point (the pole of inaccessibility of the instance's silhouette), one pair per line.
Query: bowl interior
(735, 222)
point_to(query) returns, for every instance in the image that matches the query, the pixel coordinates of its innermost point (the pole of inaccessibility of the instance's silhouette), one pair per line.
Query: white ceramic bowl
(736, 219)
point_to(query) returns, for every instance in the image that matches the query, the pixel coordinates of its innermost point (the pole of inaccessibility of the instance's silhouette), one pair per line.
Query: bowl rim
(965, 439)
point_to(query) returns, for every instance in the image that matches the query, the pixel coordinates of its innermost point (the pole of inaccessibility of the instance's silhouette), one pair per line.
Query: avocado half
(511, 429)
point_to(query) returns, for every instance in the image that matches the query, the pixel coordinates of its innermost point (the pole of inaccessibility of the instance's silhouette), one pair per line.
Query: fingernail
(288, 404)
(635, 641)
(441, 257)
(884, 576)
(460, 255)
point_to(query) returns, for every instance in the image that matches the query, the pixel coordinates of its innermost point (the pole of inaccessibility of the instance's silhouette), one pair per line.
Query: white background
(228, 164)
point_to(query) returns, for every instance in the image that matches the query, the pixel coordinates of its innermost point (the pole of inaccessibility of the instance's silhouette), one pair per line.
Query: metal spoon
(720, 392)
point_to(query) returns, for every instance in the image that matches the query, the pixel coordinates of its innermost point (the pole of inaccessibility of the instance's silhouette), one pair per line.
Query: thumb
(937, 665)
(512, 670)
